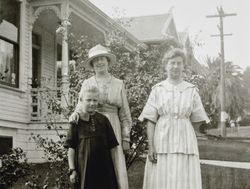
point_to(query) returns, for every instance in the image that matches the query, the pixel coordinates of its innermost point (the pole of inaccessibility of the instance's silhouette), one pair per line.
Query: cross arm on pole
(218, 35)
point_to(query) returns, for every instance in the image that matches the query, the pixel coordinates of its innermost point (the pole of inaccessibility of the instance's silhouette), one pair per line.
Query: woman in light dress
(113, 104)
(173, 110)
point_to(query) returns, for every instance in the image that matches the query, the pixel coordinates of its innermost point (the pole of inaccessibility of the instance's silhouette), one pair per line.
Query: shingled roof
(151, 28)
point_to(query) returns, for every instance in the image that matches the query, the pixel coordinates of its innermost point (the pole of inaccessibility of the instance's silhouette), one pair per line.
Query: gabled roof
(152, 27)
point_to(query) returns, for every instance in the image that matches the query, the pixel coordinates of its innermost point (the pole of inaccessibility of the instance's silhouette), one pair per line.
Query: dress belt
(106, 108)
(174, 116)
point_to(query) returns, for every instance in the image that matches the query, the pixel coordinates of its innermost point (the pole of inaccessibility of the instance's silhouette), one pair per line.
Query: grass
(135, 175)
(213, 177)
(224, 149)
(243, 131)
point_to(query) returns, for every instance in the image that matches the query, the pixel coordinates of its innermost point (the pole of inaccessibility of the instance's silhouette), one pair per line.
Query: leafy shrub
(53, 176)
(14, 166)
(245, 121)
(56, 155)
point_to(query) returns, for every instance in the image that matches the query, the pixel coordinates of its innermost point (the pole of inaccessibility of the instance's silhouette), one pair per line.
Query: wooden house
(32, 32)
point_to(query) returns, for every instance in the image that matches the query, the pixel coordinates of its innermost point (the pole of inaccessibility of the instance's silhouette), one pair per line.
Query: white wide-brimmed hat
(97, 51)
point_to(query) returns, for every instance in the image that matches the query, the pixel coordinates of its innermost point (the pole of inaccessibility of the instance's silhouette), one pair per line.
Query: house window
(9, 42)
(6, 144)
(8, 63)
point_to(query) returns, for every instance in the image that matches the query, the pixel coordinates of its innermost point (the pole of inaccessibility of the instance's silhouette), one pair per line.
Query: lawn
(135, 175)
(243, 131)
(213, 177)
(224, 149)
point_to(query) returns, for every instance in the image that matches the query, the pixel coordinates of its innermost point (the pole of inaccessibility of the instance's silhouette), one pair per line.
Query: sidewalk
(231, 164)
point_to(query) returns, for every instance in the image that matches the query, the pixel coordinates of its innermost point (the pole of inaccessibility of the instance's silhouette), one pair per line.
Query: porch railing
(46, 104)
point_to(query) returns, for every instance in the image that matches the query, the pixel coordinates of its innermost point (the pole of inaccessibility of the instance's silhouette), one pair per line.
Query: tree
(234, 93)
(246, 80)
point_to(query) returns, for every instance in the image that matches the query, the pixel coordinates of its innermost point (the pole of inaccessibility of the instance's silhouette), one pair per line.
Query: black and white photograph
(124, 94)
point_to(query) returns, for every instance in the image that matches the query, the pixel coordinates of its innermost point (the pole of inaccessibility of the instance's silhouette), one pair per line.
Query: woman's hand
(151, 149)
(73, 177)
(152, 154)
(74, 117)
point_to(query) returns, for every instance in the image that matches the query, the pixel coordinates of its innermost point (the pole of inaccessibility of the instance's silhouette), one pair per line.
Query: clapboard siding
(35, 154)
(13, 105)
(12, 100)
(8, 102)
(49, 58)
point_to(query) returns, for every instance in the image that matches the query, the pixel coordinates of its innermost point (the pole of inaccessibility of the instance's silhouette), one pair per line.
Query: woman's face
(100, 64)
(175, 67)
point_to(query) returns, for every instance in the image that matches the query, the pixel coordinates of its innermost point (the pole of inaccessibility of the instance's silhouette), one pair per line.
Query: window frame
(4, 148)
(16, 50)
(16, 62)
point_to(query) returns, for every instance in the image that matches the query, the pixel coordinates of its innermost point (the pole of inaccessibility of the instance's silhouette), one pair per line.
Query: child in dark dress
(89, 143)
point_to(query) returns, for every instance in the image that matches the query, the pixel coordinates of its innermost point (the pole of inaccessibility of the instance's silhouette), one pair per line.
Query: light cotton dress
(114, 105)
(173, 108)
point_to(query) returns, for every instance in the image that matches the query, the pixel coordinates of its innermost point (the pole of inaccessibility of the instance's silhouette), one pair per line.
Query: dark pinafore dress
(93, 141)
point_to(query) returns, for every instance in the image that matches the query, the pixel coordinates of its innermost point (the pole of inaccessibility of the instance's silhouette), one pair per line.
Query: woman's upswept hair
(172, 53)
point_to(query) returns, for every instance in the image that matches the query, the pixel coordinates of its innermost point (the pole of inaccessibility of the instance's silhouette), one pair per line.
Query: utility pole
(223, 115)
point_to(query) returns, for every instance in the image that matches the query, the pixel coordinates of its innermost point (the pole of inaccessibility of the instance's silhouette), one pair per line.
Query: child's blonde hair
(88, 89)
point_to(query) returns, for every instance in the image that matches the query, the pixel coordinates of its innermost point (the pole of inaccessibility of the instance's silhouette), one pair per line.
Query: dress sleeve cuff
(126, 133)
(127, 139)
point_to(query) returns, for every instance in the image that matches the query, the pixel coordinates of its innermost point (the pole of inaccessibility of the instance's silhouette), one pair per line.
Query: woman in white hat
(113, 104)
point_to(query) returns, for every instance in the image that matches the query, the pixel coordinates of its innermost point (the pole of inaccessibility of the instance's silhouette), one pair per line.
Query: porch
(46, 104)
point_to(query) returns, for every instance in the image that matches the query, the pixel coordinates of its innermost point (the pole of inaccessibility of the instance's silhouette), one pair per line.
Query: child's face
(89, 102)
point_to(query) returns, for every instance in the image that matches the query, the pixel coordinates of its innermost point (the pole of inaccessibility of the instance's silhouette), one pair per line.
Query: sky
(190, 16)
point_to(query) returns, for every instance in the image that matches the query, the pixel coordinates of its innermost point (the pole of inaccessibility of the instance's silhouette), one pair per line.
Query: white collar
(180, 86)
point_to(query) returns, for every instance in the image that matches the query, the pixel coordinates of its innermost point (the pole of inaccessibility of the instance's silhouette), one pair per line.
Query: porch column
(65, 54)
(65, 65)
